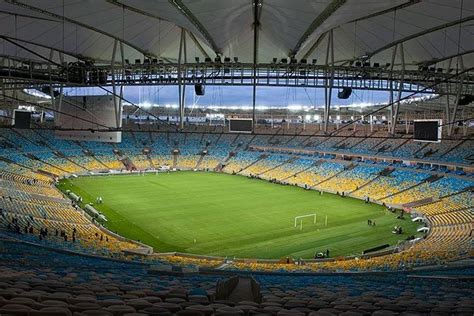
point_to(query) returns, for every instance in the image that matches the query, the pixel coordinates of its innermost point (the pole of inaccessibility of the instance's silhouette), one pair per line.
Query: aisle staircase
(432, 178)
(384, 172)
(175, 160)
(453, 148)
(349, 167)
(128, 164)
(199, 161)
(277, 166)
(33, 157)
(222, 164)
(316, 163)
(238, 289)
(150, 161)
(61, 155)
(260, 158)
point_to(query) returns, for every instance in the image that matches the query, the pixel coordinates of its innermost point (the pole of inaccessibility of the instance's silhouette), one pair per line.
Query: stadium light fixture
(145, 105)
(295, 107)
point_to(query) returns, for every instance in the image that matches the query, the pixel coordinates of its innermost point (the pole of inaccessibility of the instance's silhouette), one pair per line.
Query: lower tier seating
(39, 281)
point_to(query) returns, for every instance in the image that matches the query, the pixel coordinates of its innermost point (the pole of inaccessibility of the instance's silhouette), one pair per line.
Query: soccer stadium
(244, 157)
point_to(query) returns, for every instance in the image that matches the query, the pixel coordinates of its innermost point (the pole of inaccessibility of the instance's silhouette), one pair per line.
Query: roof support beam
(452, 117)
(3, 58)
(51, 89)
(117, 100)
(77, 56)
(321, 37)
(323, 16)
(395, 8)
(257, 5)
(437, 60)
(28, 16)
(416, 35)
(75, 22)
(328, 84)
(395, 108)
(315, 45)
(33, 52)
(198, 45)
(133, 9)
(153, 16)
(179, 5)
(390, 100)
(181, 86)
(59, 105)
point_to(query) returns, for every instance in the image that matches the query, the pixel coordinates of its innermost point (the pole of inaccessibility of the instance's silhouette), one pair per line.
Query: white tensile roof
(430, 30)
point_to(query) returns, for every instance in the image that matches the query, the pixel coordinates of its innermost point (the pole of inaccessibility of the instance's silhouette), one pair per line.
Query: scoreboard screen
(427, 130)
(21, 119)
(240, 125)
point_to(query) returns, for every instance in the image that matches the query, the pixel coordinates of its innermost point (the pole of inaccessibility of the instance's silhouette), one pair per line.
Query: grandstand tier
(30, 202)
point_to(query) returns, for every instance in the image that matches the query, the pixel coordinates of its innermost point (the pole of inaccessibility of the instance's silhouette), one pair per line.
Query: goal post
(301, 217)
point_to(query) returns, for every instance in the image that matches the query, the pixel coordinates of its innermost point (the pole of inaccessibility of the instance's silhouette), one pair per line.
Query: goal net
(299, 219)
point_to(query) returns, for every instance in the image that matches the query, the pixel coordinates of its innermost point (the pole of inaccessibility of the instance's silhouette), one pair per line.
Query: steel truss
(22, 74)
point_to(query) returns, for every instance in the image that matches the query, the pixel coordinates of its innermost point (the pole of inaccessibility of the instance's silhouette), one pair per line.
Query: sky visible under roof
(241, 97)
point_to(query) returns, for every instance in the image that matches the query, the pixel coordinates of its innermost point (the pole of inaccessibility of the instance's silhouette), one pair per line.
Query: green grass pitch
(226, 215)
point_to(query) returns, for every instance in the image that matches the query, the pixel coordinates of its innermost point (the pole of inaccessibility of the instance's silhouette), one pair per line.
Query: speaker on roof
(345, 93)
(466, 99)
(199, 89)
